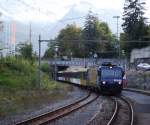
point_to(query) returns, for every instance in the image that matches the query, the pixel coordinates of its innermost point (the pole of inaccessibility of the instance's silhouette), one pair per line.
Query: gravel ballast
(71, 95)
(84, 115)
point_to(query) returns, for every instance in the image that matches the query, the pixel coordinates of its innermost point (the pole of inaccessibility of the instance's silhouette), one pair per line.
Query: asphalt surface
(141, 105)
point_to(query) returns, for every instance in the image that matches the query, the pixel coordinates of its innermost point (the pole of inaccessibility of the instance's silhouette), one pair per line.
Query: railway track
(123, 112)
(60, 112)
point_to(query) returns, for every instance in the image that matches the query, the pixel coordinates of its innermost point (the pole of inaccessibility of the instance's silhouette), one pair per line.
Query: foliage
(19, 73)
(25, 50)
(134, 22)
(134, 25)
(96, 31)
(69, 41)
(45, 68)
(49, 53)
(76, 42)
(19, 87)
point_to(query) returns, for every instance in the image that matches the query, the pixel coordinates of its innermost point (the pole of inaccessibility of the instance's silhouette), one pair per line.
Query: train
(110, 78)
(107, 78)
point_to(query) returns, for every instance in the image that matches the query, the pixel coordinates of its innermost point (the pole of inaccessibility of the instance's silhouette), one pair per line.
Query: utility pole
(117, 18)
(13, 37)
(39, 60)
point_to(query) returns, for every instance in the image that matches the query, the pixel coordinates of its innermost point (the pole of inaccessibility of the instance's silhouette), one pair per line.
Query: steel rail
(92, 120)
(116, 111)
(138, 91)
(131, 110)
(58, 113)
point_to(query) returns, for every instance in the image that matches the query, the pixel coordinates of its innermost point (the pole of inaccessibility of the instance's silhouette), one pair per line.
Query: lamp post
(117, 17)
(123, 54)
(39, 60)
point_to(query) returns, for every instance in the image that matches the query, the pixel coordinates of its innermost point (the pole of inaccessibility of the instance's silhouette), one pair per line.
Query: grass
(19, 88)
(45, 68)
(17, 73)
(20, 73)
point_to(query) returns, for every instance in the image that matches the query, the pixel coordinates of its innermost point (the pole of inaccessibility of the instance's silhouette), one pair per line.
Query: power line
(93, 40)
(34, 8)
(47, 13)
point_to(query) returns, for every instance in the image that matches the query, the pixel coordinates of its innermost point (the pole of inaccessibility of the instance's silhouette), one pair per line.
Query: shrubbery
(19, 86)
(17, 72)
(21, 73)
(45, 68)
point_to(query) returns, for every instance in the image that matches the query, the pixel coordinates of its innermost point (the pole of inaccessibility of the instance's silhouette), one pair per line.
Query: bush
(45, 68)
(20, 73)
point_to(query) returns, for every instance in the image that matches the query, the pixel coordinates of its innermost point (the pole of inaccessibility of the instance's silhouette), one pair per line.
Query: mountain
(76, 14)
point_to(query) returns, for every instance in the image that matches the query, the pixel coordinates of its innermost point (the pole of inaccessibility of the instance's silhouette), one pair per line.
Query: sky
(54, 10)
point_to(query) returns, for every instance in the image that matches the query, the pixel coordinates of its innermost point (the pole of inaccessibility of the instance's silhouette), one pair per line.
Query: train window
(111, 73)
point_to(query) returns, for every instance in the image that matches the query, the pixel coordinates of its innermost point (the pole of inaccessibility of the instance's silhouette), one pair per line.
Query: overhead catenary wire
(47, 13)
(21, 2)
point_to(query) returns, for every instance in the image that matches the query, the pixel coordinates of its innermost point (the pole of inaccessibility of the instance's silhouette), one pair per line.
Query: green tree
(49, 53)
(147, 35)
(94, 33)
(25, 50)
(134, 25)
(134, 20)
(95, 37)
(69, 41)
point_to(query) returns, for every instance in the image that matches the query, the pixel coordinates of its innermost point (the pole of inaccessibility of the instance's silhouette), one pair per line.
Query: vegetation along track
(58, 113)
(123, 112)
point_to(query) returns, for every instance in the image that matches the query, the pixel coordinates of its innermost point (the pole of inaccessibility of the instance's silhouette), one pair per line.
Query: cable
(47, 13)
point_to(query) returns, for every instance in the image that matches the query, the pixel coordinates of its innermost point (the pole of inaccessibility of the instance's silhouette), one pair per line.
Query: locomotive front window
(111, 73)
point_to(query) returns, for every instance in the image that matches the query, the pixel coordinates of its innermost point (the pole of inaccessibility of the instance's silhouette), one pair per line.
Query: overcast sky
(53, 10)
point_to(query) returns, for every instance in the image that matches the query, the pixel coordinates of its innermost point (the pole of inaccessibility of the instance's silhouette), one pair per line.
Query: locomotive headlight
(119, 82)
(103, 82)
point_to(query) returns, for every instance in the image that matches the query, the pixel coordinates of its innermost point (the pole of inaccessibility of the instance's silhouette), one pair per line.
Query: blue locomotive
(110, 78)
(107, 78)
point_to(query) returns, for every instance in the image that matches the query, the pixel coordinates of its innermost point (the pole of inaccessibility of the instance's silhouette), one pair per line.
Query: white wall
(140, 53)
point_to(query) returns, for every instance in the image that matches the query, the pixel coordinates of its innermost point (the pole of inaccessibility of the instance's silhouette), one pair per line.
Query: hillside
(20, 73)
(19, 88)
